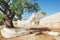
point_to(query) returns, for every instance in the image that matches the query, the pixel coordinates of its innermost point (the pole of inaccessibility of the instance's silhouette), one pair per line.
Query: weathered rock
(51, 21)
(9, 33)
(36, 17)
(53, 33)
(33, 20)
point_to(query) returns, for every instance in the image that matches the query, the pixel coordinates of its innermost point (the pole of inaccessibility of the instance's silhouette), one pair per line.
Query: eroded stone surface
(51, 21)
(9, 33)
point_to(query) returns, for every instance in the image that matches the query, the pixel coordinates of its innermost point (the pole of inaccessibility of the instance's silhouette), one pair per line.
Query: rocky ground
(30, 37)
(33, 37)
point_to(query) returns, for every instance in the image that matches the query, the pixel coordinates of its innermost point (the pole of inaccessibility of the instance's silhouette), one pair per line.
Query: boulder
(9, 33)
(32, 21)
(51, 21)
(53, 33)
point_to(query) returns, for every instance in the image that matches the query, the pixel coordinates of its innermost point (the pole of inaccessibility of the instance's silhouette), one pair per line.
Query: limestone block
(53, 33)
(51, 21)
(9, 33)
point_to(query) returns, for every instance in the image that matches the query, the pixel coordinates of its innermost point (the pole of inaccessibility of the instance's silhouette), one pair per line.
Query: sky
(48, 6)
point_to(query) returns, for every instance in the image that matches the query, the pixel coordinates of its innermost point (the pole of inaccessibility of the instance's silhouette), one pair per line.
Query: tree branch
(2, 11)
(8, 1)
(12, 14)
(6, 6)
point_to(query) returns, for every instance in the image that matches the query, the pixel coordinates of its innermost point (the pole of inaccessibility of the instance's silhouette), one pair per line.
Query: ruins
(33, 20)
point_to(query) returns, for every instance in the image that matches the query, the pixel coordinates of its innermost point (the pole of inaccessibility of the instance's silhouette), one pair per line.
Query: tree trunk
(8, 23)
(8, 13)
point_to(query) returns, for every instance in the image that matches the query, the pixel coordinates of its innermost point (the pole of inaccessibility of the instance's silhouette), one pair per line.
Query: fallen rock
(9, 33)
(53, 33)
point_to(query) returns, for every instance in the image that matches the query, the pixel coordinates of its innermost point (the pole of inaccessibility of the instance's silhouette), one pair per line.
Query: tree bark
(8, 23)
(9, 16)
(8, 20)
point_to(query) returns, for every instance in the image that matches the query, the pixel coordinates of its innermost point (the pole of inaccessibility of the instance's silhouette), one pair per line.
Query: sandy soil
(33, 37)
